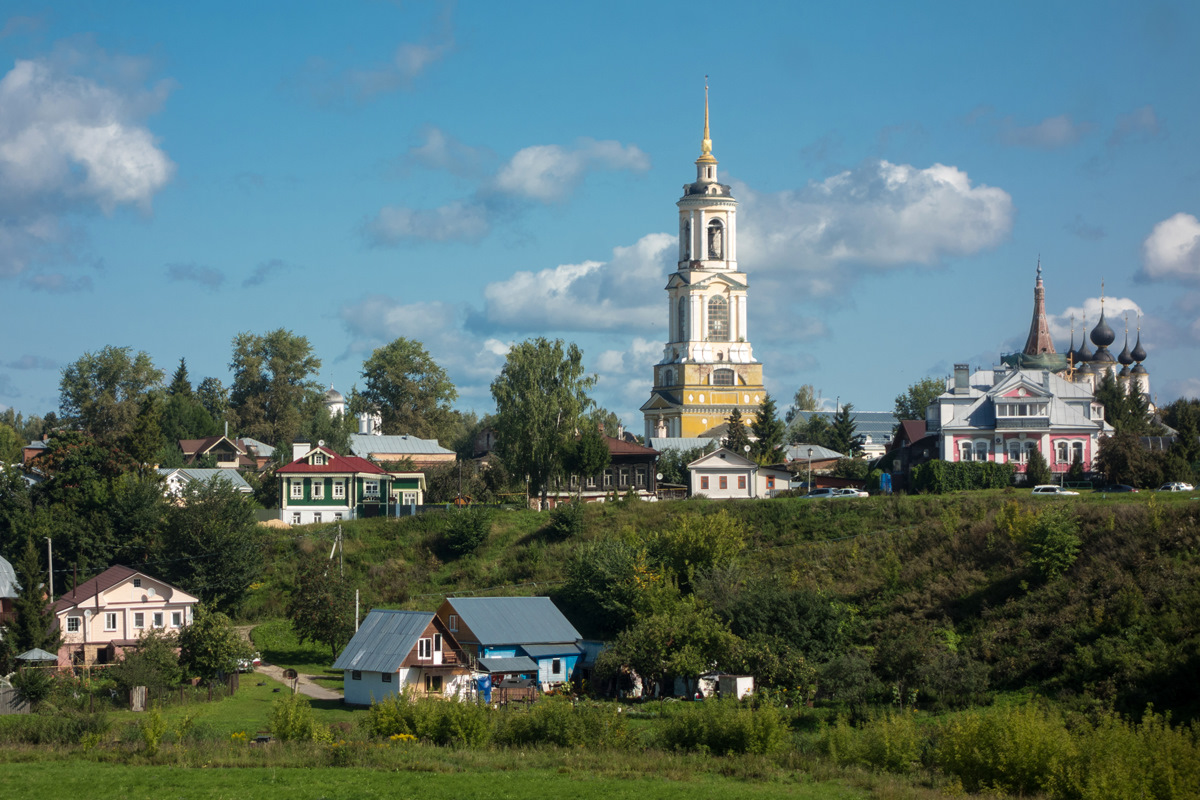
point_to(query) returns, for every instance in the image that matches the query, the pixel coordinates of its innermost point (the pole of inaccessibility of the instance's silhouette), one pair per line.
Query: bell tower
(708, 365)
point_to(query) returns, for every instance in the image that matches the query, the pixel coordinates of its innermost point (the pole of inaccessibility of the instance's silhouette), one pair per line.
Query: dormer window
(318, 459)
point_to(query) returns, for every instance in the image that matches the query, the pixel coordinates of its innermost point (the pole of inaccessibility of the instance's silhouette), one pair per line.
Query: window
(981, 450)
(681, 320)
(741, 481)
(966, 451)
(639, 476)
(556, 666)
(158, 619)
(624, 477)
(297, 490)
(355, 675)
(317, 516)
(1014, 452)
(724, 482)
(139, 619)
(371, 488)
(437, 643)
(433, 684)
(339, 490)
(73, 624)
(453, 622)
(608, 476)
(716, 247)
(424, 649)
(718, 319)
(591, 482)
(137, 583)
(668, 377)
(176, 619)
(318, 490)
(722, 377)
(110, 620)
(337, 516)
(1062, 451)
(318, 459)
(1077, 452)
(703, 481)
(295, 517)
(386, 677)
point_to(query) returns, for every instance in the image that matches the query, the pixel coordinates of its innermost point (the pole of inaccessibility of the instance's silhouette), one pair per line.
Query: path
(305, 685)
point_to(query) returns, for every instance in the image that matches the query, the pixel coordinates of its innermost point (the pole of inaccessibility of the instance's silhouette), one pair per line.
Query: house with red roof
(101, 618)
(631, 470)
(322, 486)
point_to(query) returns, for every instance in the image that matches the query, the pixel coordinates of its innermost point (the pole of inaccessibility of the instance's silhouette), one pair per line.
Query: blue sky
(472, 174)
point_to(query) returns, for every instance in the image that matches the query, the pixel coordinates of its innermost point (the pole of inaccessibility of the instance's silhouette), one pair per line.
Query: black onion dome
(1124, 373)
(1103, 356)
(1125, 359)
(1138, 370)
(1102, 335)
(1087, 368)
(1083, 354)
(1139, 352)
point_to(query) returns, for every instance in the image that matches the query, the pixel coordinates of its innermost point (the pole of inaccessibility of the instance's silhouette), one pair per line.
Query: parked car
(835, 492)
(1118, 488)
(849, 491)
(1052, 489)
(249, 664)
(1176, 487)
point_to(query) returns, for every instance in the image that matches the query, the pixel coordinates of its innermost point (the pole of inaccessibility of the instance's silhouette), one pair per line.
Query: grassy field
(75, 778)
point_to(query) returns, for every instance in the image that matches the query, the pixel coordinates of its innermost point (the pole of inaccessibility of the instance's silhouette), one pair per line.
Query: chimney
(621, 432)
(962, 378)
(300, 446)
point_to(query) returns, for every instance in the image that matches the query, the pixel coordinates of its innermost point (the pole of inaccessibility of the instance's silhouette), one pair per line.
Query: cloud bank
(1172, 251)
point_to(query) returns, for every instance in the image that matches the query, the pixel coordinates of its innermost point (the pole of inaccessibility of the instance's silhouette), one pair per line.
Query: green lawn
(277, 643)
(79, 778)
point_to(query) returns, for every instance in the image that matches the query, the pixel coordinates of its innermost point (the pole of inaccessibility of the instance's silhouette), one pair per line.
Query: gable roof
(514, 620)
(681, 443)
(202, 446)
(334, 464)
(723, 456)
(366, 444)
(799, 452)
(619, 447)
(384, 640)
(105, 580)
(189, 474)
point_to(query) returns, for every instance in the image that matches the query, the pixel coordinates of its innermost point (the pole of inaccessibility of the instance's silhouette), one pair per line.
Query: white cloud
(1172, 250)
(458, 221)
(1049, 134)
(440, 150)
(880, 215)
(70, 144)
(623, 294)
(548, 173)
(1138, 125)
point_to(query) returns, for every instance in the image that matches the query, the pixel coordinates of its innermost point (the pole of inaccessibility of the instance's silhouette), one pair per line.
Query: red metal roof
(335, 464)
(619, 447)
(110, 577)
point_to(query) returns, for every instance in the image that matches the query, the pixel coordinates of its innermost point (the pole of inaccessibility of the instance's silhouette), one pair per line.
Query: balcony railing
(1022, 423)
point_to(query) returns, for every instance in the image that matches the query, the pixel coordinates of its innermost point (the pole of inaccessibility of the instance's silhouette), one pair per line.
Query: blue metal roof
(384, 640)
(9, 586)
(550, 650)
(517, 664)
(514, 620)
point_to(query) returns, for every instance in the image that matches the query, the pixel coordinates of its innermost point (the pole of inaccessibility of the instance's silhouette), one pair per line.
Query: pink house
(101, 617)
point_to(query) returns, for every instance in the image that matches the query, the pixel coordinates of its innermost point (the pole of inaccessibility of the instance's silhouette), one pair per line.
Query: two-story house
(397, 650)
(322, 486)
(525, 636)
(102, 617)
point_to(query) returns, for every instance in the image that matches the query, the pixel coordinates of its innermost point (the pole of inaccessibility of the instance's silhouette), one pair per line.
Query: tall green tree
(180, 383)
(587, 454)
(215, 546)
(272, 376)
(10, 445)
(813, 430)
(842, 435)
(146, 439)
(322, 606)
(769, 432)
(806, 399)
(540, 395)
(409, 390)
(31, 626)
(1037, 470)
(1184, 416)
(213, 395)
(101, 392)
(737, 438)
(916, 398)
(210, 645)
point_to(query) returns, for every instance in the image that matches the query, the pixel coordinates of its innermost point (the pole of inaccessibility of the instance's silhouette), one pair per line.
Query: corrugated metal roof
(384, 640)
(365, 445)
(547, 650)
(264, 449)
(681, 443)
(514, 620)
(799, 452)
(876, 424)
(205, 475)
(518, 664)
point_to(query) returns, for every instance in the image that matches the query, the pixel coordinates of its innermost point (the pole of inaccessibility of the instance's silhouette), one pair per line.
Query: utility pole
(50, 567)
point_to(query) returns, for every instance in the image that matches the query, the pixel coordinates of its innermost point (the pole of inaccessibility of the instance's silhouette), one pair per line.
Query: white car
(834, 493)
(1176, 487)
(1052, 489)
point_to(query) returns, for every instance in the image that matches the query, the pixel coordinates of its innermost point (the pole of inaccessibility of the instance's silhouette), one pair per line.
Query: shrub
(56, 729)
(1116, 760)
(939, 477)
(888, 742)
(1019, 749)
(292, 720)
(152, 726)
(467, 529)
(33, 684)
(566, 521)
(444, 722)
(1052, 542)
(557, 720)
(722, 727)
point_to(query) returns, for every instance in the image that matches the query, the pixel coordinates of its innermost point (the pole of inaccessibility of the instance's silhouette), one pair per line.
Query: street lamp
(810, 470)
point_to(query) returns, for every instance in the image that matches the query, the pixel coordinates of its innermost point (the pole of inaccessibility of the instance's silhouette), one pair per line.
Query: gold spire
(706, 155)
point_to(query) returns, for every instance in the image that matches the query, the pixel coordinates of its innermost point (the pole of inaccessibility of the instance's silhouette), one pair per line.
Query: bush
(566, 521)
(153, 664)
(467, 529)
(939, 477)
(444, 722)
(33, 684)
(292, 721)
(1052, 542)
(557, 720)
(51, 729)
(152, 726)
(721, 727)
(1019, 749)
(889, 742)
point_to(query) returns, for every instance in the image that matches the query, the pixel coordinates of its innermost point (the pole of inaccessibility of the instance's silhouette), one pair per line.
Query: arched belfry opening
(716, 240)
